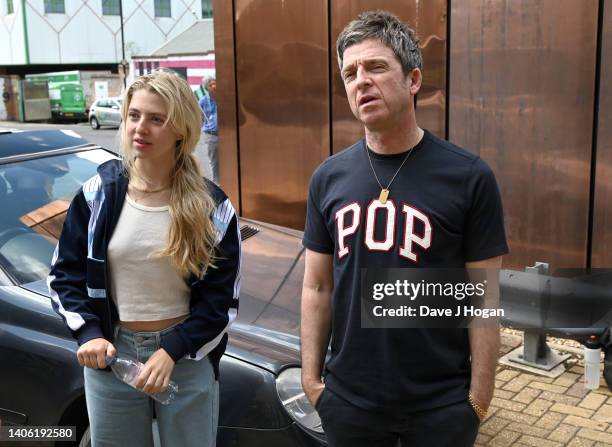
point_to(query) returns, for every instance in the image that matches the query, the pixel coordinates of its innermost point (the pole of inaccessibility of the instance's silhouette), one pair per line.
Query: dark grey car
(262, 402)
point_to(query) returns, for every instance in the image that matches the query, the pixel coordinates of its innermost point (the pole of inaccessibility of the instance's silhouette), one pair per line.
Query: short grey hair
(206, 80)
(387, 28)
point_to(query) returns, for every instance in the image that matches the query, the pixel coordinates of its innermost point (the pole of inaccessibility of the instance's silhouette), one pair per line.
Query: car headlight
(293, 398)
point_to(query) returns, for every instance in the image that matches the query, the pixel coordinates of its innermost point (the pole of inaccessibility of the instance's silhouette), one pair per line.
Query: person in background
(210, 130)
(148, 268)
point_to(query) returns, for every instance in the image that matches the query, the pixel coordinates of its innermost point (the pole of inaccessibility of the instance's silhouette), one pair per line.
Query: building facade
(88, 32)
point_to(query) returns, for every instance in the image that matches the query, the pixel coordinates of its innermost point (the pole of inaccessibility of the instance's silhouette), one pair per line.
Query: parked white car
(105, 112)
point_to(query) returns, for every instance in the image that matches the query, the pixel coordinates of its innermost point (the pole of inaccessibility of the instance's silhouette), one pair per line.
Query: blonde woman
(148, 267)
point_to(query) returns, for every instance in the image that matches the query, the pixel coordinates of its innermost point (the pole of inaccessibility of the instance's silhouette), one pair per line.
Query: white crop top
(144, 287)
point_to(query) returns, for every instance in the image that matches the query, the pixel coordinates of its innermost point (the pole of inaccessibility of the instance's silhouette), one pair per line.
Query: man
(399, 198)
(210, 133)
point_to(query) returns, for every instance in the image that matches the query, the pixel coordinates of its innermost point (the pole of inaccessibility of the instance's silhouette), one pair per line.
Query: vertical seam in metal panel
(447, 95)
(237, 108)
(600, 16)
(331, 52)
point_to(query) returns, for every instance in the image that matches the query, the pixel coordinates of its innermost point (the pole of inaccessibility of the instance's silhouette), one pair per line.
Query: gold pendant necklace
(384, 192)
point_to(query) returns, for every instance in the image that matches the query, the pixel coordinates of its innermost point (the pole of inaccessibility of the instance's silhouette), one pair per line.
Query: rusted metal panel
(521, 94)
(429, 20)
(283, 104)
(602, 222)
(226, 99)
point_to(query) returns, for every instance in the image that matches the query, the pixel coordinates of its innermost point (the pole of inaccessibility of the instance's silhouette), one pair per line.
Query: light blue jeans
(120, 415)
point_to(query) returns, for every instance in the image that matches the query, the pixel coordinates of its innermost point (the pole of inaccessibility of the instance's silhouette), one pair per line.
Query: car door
(114, 112)
(102, 112)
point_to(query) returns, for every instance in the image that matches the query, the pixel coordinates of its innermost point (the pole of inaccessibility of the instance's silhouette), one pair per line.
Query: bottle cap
(593, 342)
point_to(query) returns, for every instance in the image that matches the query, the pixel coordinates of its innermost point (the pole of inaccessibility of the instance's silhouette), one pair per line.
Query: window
(110, 7)
(162, 8)
(9, 7)
(207, 9)
(54, 6)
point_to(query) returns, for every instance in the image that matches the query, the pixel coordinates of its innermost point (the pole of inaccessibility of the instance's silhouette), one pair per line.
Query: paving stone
(593, 401)
(509, 395)
(482, 440)
(580, 442)
(507, 374)
(577, 369)
(539, 442)
(527, 429)
(585, 423)
(516, 417)
(568, 409)
(550, 420)
(563, 433)
(493, 425)
(508, 404)
(538, 407)
(527, 395)
(492, 410)
(548, 387)
(604, 414)
(566, 379)
(604, 390)
(597, 436)
(535, 378)
(559, 398)
(516, 384)
(578, 390)
(504, 439)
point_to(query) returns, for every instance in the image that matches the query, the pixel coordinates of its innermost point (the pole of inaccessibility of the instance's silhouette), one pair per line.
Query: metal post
(123, 61)
(535, 352)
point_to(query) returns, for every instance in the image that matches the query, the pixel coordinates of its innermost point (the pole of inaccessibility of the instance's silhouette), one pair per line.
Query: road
(107, 137)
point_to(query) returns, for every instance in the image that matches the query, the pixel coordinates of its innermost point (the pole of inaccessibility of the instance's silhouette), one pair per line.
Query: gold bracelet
(480, 412)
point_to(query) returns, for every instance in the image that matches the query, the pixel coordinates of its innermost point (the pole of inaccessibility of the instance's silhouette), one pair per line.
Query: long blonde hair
(192, 234)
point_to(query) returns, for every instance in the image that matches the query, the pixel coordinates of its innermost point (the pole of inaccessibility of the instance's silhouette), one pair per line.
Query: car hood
(267, 328)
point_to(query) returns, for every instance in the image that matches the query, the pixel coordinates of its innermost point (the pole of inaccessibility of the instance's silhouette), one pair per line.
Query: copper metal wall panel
(602, 222)
(429, 20)
(226, 99)
(521, 94)
(282, 57)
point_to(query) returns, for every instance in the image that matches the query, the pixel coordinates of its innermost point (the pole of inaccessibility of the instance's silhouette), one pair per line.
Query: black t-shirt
(444, 209)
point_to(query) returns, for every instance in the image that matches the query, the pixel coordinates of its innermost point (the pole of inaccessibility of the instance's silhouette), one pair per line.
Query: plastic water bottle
(592, 357)
(128, 370)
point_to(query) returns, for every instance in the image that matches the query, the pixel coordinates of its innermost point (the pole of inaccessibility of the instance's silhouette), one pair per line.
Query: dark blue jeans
(346, 425)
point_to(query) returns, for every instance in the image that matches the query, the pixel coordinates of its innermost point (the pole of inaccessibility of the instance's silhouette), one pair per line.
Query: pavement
(531, 410)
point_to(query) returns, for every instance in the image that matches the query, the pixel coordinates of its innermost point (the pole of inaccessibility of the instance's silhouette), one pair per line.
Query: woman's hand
(156, 373)
(93, 353)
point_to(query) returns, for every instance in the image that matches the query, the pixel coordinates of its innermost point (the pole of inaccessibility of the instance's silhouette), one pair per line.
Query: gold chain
(384, 192)
(480, 412)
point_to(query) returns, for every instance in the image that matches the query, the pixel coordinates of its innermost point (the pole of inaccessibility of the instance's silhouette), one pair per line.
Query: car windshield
(34, 197)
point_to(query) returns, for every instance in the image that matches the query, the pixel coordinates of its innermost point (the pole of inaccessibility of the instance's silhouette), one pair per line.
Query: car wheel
(93, 121)
(86, 439)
